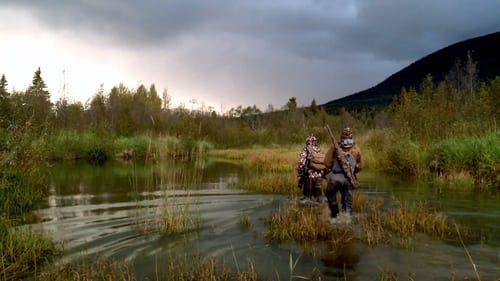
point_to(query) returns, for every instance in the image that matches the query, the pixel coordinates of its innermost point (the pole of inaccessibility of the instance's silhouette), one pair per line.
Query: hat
(346, 140)
(346, 133)
(311, 141)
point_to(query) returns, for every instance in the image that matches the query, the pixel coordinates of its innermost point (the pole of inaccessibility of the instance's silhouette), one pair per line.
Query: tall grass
(71, 145)
(298, 224)
(176, 219)
(475, 157)
(18, 195)
(478, 156)
(405, 222)
(177, 268)
(245, 222)
(271, 171)
(23, 251)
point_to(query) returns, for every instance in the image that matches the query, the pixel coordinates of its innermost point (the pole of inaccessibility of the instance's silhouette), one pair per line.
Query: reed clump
(405, 222)
(298, 224)
(23, 251)
(371, 223)
(178, 219)
(245, 222)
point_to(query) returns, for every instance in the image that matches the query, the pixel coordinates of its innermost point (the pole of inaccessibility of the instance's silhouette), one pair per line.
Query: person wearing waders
(309, 179)
(344, 160)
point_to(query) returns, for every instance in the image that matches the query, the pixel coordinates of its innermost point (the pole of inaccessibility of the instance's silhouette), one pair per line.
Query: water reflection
(113, 210)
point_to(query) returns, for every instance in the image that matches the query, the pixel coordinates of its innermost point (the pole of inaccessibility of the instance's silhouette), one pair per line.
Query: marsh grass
(95, 269)
(197, 268)
(18, 195)
(177, 268)
(141, 146)
(479, 157)
(74, 145)
(388, 275)
(405, 222)
(298, 224)
(71, 145)
(471, 161)
(23, 251)
(271, 171)
(399, 225)
(245, 222)
(176, 219)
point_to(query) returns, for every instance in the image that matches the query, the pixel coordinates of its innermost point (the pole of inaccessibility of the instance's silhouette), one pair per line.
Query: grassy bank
(474, 161)
(270, 170)
(99, 147)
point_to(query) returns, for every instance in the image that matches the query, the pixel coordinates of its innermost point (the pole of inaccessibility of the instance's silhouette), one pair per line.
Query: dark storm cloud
(288, 47)
(132, 22)
(390, 29)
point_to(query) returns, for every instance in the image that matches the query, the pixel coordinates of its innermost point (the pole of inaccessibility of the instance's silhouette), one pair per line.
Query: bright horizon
(224, 54)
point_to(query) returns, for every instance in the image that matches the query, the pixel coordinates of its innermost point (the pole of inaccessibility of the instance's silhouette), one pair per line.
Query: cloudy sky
(228, 53)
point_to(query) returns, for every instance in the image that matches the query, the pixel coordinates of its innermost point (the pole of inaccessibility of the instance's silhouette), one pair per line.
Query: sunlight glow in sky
(228, 53)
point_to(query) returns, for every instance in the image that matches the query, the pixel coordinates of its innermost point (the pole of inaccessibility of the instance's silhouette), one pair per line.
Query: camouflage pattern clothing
(309, 179)
(337, 180)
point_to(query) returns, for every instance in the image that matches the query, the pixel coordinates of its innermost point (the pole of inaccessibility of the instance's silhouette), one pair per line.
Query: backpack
(318, 160)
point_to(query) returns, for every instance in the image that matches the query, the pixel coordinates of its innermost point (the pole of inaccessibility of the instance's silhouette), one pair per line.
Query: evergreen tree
(4, 103)
(3, 88)
(314, 107)
(37, 101)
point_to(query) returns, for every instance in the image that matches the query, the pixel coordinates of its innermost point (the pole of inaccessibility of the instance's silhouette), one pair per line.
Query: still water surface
(112, 211)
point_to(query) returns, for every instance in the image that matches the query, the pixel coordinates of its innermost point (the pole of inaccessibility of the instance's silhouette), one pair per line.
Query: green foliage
(480, 156)
(36, 102)
(405, 157)
(17, 195)
(71, 145)
(142, 146)
(299, 224)
(138, 120)
(5, 103)
(443, 112)
(21, 187)
(194, 148)
(451, 123)
(22, 251)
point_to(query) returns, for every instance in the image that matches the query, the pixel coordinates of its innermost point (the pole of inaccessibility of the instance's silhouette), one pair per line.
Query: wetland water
(114, 210)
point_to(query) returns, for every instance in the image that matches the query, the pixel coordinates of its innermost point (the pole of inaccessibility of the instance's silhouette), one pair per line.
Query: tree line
(127, 112)
(429, 122)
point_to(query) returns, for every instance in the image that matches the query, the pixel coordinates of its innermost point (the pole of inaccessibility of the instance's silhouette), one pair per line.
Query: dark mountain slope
(485, 51)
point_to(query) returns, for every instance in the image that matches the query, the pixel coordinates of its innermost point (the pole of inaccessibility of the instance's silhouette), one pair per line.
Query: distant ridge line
(485, 51)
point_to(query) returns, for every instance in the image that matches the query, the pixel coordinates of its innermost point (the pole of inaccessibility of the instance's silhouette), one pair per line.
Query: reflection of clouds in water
(70, 200)
(222, 183)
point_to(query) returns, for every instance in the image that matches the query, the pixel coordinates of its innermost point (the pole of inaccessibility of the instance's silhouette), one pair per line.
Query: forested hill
(484, 51)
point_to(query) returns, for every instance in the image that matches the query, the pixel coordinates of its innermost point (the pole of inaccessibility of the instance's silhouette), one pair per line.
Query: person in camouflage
(337, 179)
(309, 179)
